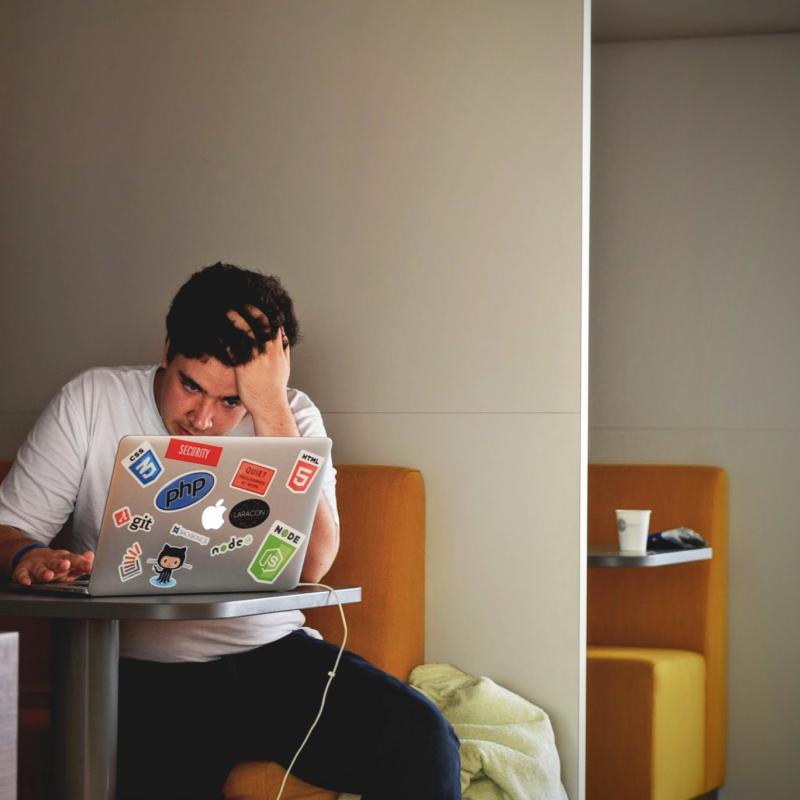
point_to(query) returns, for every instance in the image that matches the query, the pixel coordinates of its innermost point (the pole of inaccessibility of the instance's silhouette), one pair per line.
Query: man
(196, 697)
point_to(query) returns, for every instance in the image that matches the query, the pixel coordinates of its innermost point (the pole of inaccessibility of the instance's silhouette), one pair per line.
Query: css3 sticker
(143, 464)
(304, 471)
(275, 553)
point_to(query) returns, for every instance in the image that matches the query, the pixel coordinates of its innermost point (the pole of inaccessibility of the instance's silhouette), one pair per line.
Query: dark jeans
(182, 727)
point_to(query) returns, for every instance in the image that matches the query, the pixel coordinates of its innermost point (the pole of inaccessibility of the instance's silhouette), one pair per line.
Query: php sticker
(304, 471)
(194, 452)
(275, 553)
(143, 464)
(248, 513)
(184, 491)
(253, 477)
(131, 566)
(185, 533)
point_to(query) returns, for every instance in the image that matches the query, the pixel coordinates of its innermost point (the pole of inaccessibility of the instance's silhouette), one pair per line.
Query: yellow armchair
(657, 654)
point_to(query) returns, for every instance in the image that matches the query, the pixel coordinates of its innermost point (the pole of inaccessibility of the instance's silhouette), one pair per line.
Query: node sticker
(193, 452)
(234, 543)
(185, 533)
(143, 464)
(304, 471)
(131, 566)
(253, 477)
(275, 553)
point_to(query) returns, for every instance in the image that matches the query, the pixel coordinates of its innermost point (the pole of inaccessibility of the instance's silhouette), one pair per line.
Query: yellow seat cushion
(645, 727)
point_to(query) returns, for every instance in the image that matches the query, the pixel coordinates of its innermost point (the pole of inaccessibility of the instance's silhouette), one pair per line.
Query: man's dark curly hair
(197, 322)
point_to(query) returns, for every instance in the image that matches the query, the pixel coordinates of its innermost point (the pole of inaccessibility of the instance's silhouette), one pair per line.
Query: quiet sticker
(143, 464)
(253, 477)
(303, 472)
(275, 553)
(193, 452)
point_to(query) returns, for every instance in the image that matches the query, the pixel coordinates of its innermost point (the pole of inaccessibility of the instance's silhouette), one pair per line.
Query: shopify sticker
(275, 553)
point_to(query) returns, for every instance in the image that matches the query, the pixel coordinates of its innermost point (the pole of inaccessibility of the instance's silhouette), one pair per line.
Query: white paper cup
(632, 526)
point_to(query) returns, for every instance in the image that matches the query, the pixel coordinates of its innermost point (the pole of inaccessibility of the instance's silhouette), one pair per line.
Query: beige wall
(695, 326)
(413, 171)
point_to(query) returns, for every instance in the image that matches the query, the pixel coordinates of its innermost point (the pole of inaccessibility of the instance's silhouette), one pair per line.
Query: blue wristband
(20, 553)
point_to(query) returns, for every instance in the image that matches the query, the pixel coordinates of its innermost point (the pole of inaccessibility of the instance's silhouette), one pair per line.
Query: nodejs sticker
(184, 491)
(143, 464)
(234, 543)
(169, 560)
(253, 477)
(193, 452)
(131, 566)
(185, 533)
(275, 553)
(248, 513)
(304, 471)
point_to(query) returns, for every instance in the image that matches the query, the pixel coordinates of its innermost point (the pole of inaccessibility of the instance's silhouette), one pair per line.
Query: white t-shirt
(64, 468)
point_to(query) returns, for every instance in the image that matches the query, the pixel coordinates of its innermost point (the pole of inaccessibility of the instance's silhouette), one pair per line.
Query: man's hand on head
(43, 565)
(262, 381)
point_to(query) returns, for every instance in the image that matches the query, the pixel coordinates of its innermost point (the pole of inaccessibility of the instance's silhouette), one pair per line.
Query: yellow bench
(657, 672)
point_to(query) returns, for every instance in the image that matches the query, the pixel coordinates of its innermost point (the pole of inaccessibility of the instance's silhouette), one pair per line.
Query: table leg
(85, 681)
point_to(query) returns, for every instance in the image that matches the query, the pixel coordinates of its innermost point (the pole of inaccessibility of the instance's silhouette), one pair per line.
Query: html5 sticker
(143, 464)
(304, 471)
(253, 477)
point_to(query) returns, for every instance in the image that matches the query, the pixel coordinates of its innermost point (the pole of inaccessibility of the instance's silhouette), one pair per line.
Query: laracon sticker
(304, 471)
(143, 464)
(248, 513)
(275, 553)
(185, 533)
(131, 566)
(234, 543)
(169, 560)
(184, 491)
(194, 452)
(253, 477)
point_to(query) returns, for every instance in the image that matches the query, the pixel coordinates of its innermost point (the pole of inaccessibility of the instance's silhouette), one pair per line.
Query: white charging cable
(331, 676)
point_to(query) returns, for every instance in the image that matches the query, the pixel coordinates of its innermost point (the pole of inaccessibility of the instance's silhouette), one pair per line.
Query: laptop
(200, 515)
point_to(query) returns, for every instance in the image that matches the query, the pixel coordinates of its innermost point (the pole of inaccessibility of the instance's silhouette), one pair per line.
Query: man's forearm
(323, 545)
(12, 540)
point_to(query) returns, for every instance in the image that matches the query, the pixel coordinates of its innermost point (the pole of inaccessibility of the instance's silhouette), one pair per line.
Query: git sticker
(304, 471)
(131, 566)
(253, 477)
(143, 464)
(122, 516)
(275, 553)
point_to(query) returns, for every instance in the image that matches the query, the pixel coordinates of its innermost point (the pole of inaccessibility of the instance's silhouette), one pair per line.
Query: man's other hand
(43, 565)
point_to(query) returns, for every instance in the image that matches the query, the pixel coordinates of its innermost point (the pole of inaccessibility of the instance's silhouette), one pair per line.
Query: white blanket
(508, 750)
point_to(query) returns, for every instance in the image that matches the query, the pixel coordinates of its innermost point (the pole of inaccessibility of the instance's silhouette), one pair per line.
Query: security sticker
(275, 553)
(169, 560)
(185, 533)
(193, 452)
(250, 476)
(122, 516)
(143, 464)
(131, 566)
(304, 471)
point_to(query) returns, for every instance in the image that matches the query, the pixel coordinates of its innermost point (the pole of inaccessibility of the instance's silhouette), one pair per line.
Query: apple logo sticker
(212, 518)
